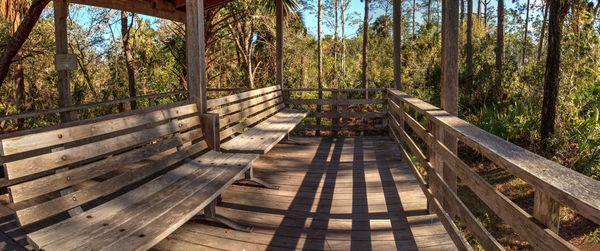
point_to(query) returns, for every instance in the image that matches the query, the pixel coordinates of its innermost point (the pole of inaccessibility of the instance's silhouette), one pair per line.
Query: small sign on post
(65, 62)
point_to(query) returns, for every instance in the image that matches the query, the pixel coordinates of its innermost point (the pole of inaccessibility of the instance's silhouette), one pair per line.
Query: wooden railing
(339, 110)
(438, 165)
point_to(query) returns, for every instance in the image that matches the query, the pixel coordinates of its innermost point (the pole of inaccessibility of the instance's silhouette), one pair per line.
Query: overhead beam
(156, 8)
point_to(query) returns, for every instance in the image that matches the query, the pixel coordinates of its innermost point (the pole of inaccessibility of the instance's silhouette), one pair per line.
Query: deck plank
(351, 193)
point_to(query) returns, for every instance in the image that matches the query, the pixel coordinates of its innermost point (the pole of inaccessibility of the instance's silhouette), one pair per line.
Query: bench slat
(97, 236)
(44, 162)
(80, 223)
(250, 121)
(37, 187)
(244, 104)
(262, 137)
(58, 205)
(65, 135)
(233, 118)
(151, 234)
(212, 103)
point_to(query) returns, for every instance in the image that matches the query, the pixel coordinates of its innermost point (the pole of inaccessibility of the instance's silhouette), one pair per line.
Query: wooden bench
(138, 178)
(260, 118)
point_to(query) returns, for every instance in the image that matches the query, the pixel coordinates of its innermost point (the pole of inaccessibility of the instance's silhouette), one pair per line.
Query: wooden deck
(344, 194)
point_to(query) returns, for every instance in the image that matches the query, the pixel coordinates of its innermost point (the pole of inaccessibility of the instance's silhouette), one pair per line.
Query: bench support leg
(210, 213)
(289, 140)
(249, 176)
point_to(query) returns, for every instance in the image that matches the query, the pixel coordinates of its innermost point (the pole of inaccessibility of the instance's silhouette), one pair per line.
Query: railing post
(286, 98)
(344, 97)
(435, 161)
(336, 113)
(546, 210)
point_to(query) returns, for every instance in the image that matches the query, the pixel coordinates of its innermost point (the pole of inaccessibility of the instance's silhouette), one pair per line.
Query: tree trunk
(320, 56)
(414, 9)
(551, 78)
(542, 32)
(462, 12)
(479, 10)
(16, 41)
(342, 8)
(365, 45)
(499, 49)
(428, 11)
(525, 36)
(125, 28)
(485, 15)
(469, 51)
(335, 44)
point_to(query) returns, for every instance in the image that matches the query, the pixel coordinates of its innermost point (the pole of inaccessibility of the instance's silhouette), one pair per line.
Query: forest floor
(577, 230)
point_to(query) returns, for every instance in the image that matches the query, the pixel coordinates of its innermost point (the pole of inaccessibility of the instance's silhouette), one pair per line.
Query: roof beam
(156, 8)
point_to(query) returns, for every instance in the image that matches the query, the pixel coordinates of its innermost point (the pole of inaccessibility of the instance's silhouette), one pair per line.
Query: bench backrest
(62, 169)
(240, 111)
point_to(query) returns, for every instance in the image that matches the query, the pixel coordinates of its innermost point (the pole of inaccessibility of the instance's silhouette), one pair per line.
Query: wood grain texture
(571, 188)
(240, 96)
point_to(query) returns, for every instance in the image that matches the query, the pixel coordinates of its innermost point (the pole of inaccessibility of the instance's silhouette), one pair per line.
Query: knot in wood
(64, 157)
(60, 136)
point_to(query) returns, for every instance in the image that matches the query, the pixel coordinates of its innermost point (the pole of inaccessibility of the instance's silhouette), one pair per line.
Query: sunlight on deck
(336, 194)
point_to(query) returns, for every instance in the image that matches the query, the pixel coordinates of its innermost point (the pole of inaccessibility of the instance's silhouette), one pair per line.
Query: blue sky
(357, 6)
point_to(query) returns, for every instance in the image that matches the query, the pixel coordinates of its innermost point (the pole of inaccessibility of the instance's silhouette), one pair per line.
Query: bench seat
(265, 135)
(142, 217)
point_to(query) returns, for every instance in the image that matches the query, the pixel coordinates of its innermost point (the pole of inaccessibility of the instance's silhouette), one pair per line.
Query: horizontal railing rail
(150, 97)
(555, 185)
(339, 110)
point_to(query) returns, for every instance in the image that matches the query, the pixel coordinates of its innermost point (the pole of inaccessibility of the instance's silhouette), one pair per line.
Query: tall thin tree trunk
(428, 11)
(320, 56)
(485, 15)
(125, 28)
(462, 11)
(499, 49)
(335, 43)
(414, 9)
(365, 45)
(525, 42)
(551, 78)
(542, 32)
(469, 51)
(479, 10)
(342, 8)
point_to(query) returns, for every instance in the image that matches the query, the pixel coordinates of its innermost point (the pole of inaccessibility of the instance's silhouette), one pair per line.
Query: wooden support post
(546, 210)
(449, 83)
(61, 12)
(335, 121)
(210, 130)
(279, 37)
(195, 51)
(397, 44)
(344, 97)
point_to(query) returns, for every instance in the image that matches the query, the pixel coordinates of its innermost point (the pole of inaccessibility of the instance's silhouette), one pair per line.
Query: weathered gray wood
(87, 106)
(195, 51)
(40, 140)
(335, 102)
(175, 206)
(334, 89)
(508, 211)
(236, 117)
(572, 189)
(177, 216)
(250, 121)
(139, 6)
(40, 163)
(240, 96)
(210, 130)
(53, 207)
(346, 115)
(37, 187)
(262, 137)
(80, 223)
(341, 128)
(546, 210)
(61, 12)
(245, 104)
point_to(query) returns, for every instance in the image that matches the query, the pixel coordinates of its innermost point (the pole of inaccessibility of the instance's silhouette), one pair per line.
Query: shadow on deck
(344, 194)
